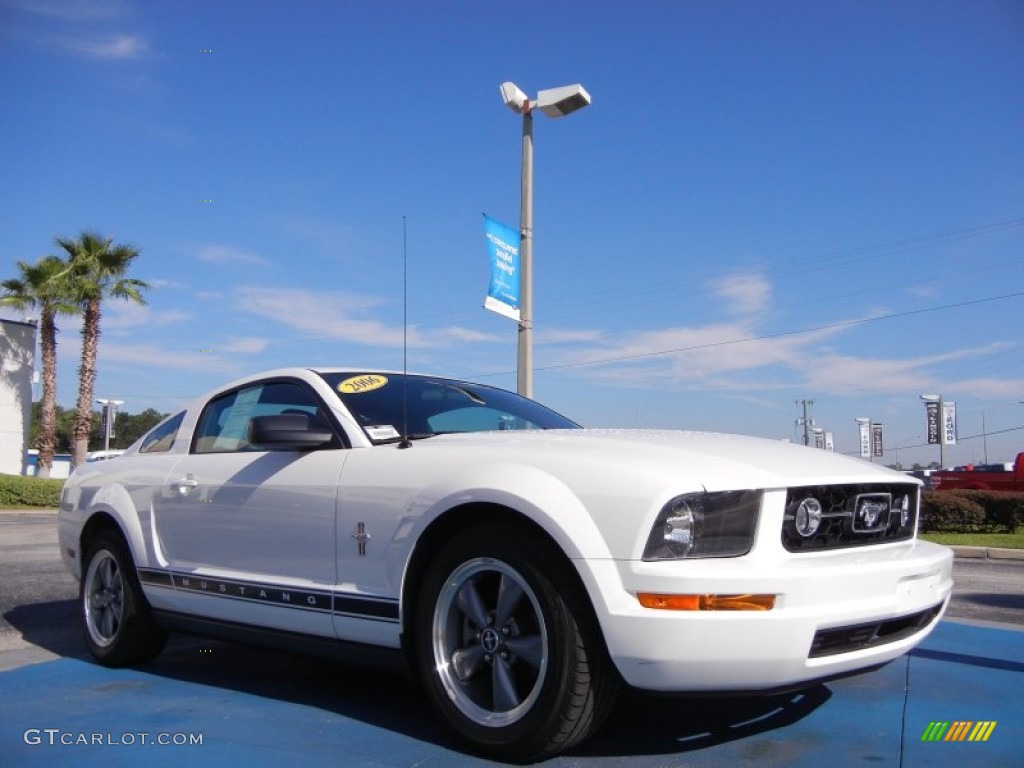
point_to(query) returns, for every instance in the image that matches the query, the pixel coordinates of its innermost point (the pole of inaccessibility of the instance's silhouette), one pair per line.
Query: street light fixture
(553, 102)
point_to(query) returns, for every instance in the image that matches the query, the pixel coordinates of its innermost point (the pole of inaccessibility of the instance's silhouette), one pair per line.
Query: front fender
(533, 493)
(115, 501)
(543, 499)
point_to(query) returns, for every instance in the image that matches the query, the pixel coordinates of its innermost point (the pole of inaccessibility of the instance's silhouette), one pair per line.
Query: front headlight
(694, 525)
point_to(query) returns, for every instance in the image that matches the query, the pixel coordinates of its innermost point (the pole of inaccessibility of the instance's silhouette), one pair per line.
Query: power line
(961, 439)
(799, 265)
(780, 334)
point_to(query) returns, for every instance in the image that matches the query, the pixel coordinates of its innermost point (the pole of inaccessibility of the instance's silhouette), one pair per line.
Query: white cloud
(115, 47)
(79, 28)
(247, 346)
(345, 317)
(847, 375)
(997, 389)
(923, 291)
(692, 355)
(460, 334)
(739, 357)
(74, 10)
(227, 254)
(121, 316)
(746, 292)
(565, 336)
(326, 315)
(160, 282)
(151, 355)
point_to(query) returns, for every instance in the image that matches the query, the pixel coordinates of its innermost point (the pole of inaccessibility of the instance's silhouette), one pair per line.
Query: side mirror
(287, 432)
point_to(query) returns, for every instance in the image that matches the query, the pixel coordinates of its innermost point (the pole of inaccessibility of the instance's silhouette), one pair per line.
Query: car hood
(719, 461)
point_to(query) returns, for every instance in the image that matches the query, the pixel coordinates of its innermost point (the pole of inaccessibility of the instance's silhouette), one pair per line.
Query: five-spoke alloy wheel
(490, 642)
(508, 650)
(118, 627)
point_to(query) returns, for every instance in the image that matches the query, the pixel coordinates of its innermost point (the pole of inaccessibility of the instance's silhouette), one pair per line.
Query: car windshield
(392, 406)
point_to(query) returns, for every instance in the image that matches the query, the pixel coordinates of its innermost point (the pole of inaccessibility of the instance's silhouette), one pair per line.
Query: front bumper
(864, 606)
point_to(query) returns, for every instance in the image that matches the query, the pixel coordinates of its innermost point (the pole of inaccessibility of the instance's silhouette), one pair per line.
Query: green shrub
(947, 512)
(972, 511)
(1004, 510)
(18, 491)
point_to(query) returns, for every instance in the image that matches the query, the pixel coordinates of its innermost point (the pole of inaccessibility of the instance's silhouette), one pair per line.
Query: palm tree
(98, 269)
(44, 286)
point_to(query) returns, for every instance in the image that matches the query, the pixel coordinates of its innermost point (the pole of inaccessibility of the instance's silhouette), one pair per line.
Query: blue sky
(766, 201)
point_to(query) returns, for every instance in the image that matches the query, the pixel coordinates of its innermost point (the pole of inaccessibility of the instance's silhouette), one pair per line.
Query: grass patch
(1001, 540)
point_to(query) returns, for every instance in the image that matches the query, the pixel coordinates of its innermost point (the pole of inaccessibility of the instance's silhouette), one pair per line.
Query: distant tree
(98, 269)
(128, 427)
(44, 286)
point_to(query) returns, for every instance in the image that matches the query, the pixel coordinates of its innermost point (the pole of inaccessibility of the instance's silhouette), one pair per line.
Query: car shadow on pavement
(994, 599)
(52, 626)
(640, 724)
(651, 724)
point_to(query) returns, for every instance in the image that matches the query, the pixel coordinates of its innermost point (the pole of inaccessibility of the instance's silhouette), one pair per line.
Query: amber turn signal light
(707, 602)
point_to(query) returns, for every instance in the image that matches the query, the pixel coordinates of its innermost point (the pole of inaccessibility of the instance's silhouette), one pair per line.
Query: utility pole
(806, 421)
(984, 435)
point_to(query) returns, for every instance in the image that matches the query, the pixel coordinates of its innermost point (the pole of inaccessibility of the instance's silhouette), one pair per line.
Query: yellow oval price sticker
(359, 384)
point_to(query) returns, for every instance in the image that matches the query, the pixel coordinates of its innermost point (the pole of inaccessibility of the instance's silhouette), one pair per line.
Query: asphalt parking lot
(203, 703)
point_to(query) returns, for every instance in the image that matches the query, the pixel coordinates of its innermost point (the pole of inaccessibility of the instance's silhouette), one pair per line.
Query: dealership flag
(865, 440)
(503, 250)
(931, 409)
(876, 440)
(949, 423)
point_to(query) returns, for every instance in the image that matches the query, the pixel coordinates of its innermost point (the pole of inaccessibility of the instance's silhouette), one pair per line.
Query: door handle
(185, 485)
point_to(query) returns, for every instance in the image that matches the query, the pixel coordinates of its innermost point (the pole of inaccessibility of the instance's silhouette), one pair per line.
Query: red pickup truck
(988, 477)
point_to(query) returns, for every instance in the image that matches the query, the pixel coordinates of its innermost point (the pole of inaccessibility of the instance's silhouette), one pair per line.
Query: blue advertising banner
(503, 249)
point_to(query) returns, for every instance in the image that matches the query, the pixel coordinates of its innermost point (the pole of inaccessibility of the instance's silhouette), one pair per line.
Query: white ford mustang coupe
(521, 567)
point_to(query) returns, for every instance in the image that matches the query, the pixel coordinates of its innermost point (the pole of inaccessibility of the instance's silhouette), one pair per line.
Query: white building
(17, 351)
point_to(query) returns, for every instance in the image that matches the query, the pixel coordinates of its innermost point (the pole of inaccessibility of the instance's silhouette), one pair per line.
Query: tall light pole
(554, 102)
(805, 421)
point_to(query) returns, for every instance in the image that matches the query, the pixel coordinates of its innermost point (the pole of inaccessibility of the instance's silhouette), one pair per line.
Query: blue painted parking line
(262, 708)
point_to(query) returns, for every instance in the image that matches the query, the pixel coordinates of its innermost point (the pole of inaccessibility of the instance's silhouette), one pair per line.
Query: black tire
(118, 627)
(508, 649)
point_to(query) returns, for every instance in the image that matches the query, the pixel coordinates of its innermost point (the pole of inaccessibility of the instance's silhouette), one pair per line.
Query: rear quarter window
(162, 437)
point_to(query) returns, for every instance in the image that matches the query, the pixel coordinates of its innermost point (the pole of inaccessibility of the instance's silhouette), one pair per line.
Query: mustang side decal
(300, 598)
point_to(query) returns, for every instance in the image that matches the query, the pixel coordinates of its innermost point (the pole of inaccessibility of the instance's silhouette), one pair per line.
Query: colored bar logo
(959, 730)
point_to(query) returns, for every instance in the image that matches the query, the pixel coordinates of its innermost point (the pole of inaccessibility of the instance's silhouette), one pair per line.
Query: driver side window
(224, 423)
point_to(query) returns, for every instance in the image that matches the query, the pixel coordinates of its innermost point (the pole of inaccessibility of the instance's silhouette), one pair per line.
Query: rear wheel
(118, 627)
(508, 650)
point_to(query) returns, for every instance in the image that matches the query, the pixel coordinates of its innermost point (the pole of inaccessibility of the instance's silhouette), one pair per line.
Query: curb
(987, 553)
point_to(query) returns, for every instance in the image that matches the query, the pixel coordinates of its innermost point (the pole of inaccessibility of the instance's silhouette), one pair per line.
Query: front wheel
(509, 652)
(118, 627)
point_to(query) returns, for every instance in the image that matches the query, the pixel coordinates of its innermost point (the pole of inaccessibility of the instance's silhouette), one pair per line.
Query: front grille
(828, 642)
(851, 515)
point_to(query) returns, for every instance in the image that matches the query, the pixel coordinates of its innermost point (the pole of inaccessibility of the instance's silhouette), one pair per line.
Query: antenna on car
(405, 442)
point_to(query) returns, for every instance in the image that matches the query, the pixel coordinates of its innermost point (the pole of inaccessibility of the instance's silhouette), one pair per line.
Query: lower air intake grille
(828, 642)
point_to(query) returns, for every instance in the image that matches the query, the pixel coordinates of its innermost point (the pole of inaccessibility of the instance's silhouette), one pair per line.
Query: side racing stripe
(295, 598)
